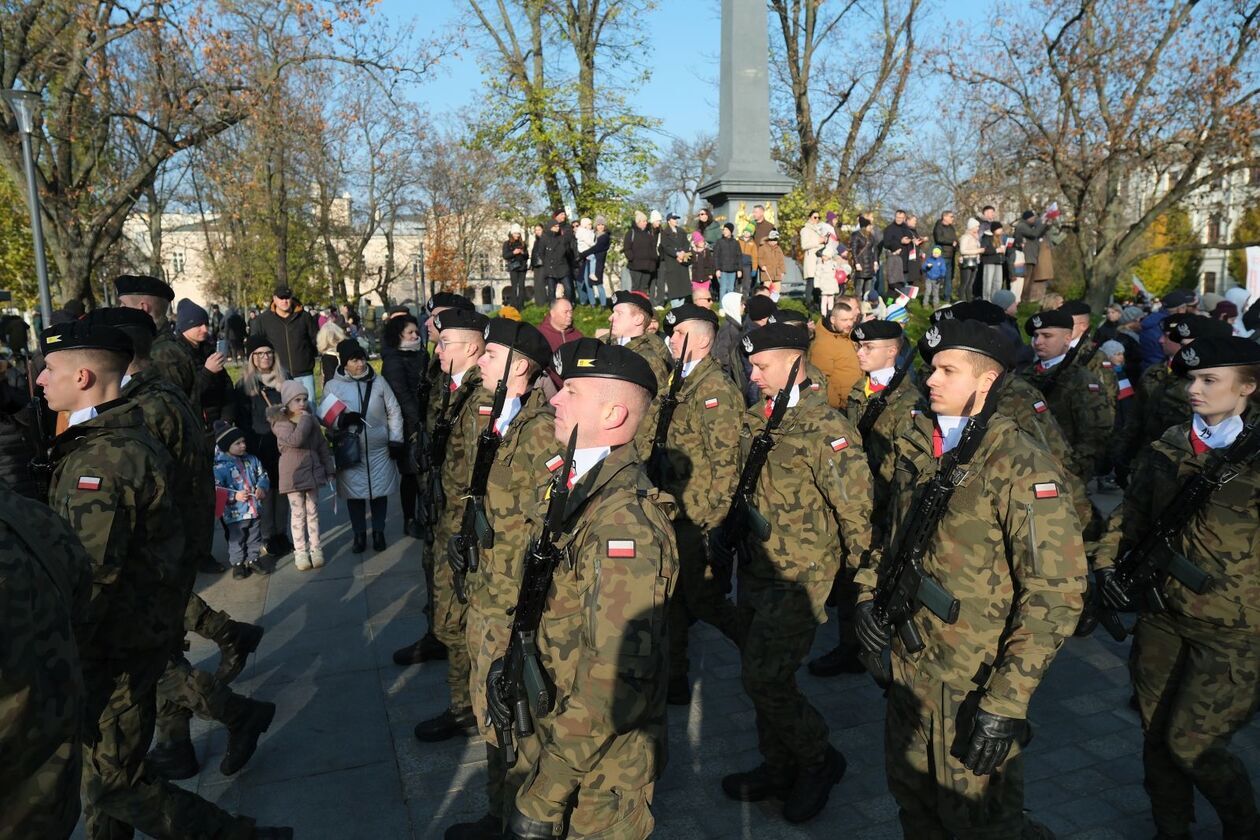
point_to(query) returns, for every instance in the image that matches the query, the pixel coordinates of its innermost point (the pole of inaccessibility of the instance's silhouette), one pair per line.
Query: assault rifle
(517, 687)
(874, 408)
(1143, 567)
(903, 585)
(474, 529)
(669, 402)
(41, 464)
(742, 517)
(438, 440)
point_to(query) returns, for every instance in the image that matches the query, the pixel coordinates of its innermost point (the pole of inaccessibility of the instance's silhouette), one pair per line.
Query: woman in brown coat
(305, 466)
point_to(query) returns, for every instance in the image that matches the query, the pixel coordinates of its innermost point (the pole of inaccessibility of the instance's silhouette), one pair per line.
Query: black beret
(1077, 307)
(349, 348)
(122, 316)
(876, 331)
(142, 284)
(1178, 297)
(776, 337)
(1189, 327)
(258, 342)
(689, 312)
(1214, 352)
(789, 316)
(524, 338)
(1048, 319)
(590, 358)
(448, 299)
(81, 335)
(947, 313)
(637, 298)
(975, 336)
(985, 311)
(760, 307)
(460, 319)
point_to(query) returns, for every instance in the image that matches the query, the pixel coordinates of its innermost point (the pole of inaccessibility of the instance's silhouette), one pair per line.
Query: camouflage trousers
(778, 621)
(697, 595)
(39, 777)
(450, 620)
(938, 798)
(487, 641)
(119, 794)
(1197, 684)
(183, 690)
(612, 814)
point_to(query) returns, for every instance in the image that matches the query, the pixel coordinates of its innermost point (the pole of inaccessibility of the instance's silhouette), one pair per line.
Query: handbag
(346, 450)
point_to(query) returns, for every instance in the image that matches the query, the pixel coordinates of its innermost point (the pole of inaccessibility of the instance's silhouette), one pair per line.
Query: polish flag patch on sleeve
(484, 410)
(554, 463)
(814, 386)
(1046, 490)
(1040, 407)
(89, 482)
(711, 402)
(839, 444)
(621, 548)
(1094, 387)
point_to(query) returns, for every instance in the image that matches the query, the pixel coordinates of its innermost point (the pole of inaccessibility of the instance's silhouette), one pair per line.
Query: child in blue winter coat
(244, 480)
(935, 272)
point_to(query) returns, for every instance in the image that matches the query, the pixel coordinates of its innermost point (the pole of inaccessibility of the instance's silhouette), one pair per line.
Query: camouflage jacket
(1162, 402)
(702, 464)
(1009, 549)
(1081, 410)
(815, 490)
(111, 483)
(1098, 366)
(470, 385)
(651, 348)
(1222, 540)
(461, 449)
(519, 467)
(44, 583)
(603, 639)
(896, 417)
(174, 360)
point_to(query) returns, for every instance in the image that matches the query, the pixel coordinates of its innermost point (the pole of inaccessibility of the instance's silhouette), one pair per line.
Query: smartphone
(221, 346)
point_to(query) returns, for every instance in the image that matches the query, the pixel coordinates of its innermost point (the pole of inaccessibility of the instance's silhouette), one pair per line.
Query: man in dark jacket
(945, 237)
(214, 386)
(557, 253)
(639, 246)
(291, 331)
(675, 253)
(898, 239)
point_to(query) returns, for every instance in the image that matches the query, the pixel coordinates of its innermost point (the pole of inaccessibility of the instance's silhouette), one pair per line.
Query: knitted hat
(1131, 313)
(258, 342)
(1110, 348)
(1003, 298)
(225, 434)
(291, 389)
(189, 315)
(696, 237)
(348, 349)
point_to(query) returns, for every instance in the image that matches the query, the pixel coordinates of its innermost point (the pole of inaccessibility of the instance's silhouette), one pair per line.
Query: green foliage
(794, 209)
(1247, 230)
(17, 251)
(1172, 270)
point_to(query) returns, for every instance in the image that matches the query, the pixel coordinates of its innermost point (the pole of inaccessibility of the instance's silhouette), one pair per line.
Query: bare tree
(682, 169)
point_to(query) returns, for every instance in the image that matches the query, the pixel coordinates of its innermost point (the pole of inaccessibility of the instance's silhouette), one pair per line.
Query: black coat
(944, 236)
(515, 262)
(676, 275)
(862, 253)
(556, 254)
(639, 246)
(989, 243)
(251, 419)
(893, 235)
(727, 254)
(600, 251)
(404, 371)
(293, 339)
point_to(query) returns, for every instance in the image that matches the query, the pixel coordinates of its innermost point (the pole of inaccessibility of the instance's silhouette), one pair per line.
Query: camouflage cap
(1214, 352)
(639, 299)
(80, 335)
(143, 284)
(776, 337)
(449, 300)
(975, 336)
(1190, 327)
(689, 312)
(590, 358)
(122, 317)
(523, 338)
(1048, 319)
(460, 319)
(877, 331)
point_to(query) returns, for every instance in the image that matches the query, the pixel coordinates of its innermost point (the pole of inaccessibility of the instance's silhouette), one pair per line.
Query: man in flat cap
(526, 427)
(700, 469)
(602, 637)
(1008, 548)
(111, 484)
(815, 491)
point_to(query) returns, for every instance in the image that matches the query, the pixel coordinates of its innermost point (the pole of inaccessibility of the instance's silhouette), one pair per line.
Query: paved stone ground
(340, 760)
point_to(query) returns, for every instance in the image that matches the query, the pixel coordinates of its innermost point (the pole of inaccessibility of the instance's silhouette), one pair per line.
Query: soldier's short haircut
(981, 363)
(104, 363)
(636, 400)
(840, 306)
(700, 326)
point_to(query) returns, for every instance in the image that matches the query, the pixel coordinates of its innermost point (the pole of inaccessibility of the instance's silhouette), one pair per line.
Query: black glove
(350, 420)
(500, 709)
(721, 552)
(521, 827)
(991, 739)
(871, 633)
(397, 449)
(455, 557)
(1088, 622)
(1113, 597)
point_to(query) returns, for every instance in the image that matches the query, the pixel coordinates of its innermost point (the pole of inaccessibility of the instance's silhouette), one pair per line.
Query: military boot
(451, 723)
(486, 828)
(174, 761)
(813, 786)
(360, 543)
(428, 649)
(236, 643)
(246, 721)
(840, 660)
(761, 783)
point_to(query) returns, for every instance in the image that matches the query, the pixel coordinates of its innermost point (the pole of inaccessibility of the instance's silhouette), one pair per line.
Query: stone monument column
(746, 174)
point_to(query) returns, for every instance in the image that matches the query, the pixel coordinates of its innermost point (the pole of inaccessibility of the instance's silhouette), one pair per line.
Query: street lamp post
(23, 103)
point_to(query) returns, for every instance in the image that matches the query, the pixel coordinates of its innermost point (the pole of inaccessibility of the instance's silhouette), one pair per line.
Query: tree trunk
(155, 232)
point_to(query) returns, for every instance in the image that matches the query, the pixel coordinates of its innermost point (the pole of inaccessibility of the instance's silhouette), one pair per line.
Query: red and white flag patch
(89, 482)
(839, 444)
(1126, 388)
(1094, 387)
(621, 548)
(814, 386)
(711, 402)
(1040, 407)
(484, 410)
(555, 463)
(1046, 490)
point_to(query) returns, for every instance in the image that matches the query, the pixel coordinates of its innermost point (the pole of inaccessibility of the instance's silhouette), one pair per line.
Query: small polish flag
(1046, 490)
(220, 501)
(330, 409)
(89, 482)
(484, 410)
(555, 463)
(914, 412)
(839, 443)
(1040, 407)
(1093, 387)
(1126, 388)
(621, 548)
(814, 386)
(711, 402)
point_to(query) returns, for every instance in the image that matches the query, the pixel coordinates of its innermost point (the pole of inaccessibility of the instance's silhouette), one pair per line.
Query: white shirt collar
(511, 408)
(688, 367)
(882, 376)
(126, 378)
(80, 416)
(1222, 434)
(458, 378)
(585, 459)
(623, 340)
(951, 430)
(794, 396)
(1049, 363)
(1076, 341)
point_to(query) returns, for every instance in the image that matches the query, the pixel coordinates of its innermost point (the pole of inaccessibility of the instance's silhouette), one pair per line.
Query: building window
(487, 295)
(1214, 229)
(1209, 281)
(177, 261)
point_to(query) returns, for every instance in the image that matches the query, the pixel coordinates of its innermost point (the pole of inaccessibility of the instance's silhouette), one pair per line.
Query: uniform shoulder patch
(1093, 387)
(839, 443)
(1046, 490)
(1040, 407)
(555, 463)
(621, 548)
(814, 386)
(711, 402)
(89, 482)
(484, 410)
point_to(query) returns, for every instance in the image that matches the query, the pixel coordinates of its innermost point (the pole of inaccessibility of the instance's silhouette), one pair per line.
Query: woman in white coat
(372, 410)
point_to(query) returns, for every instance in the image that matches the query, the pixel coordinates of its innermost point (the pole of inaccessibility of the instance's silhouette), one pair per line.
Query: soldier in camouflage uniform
(112, 485)
(170, 353)
(522, 462)
(699, 469)
(182, 689)
(1009, 549)
(816, 492)
(427, 648)
(1088, 356)
(1196, 671)
(632, 315)
(602, 638)
(817, 379)
(460, 343)
(44, 585)
(1074, 394)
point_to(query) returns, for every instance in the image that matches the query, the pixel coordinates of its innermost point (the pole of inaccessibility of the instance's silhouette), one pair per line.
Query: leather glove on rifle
(500, 709)
(1088, 622)
(871, 634)
(721, 553)
(1113, 597)
(991, 739)
(455, 557)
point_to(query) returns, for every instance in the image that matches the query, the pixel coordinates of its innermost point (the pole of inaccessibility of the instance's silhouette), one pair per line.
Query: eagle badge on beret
(1036, 322)
(1190, 357)
(1183, 329)
(437, 322)
(747, 344)
(486, 333)
(859, 334)
(557, 364)
(932, 337)
(671, 318)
